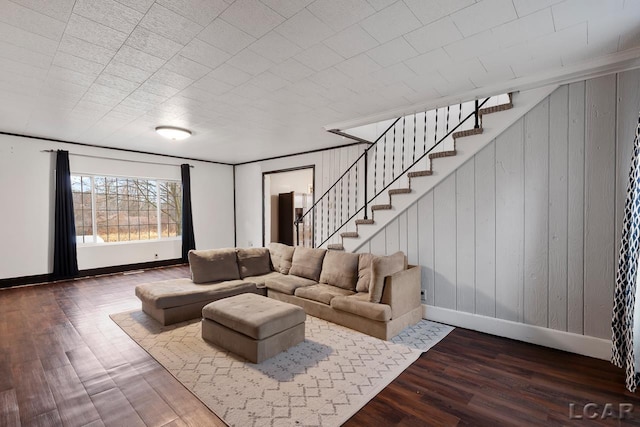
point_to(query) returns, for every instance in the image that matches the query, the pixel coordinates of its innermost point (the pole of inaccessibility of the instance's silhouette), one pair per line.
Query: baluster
(341, 199)
(384, 162)
(355, 203)
(403, 133)
(435, 132)
(477, 125)
(366, 166)
(335, 208)
(460, 113)
(393, 155)
(425, 132)
(413, 159)
(446, 129)
(375, 169)
(321, 220)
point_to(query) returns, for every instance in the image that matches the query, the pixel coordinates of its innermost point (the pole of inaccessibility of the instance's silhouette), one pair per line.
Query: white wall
(329, 165)
(528, 230)
(27, 177)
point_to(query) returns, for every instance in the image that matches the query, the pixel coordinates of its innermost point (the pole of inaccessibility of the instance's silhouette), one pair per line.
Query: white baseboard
(581, 344)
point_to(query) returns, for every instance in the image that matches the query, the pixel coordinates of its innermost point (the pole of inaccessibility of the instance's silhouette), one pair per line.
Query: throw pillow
(382, 267)
(253, 261)
(340, 269)
(213, 265)
(281, 256)
(364, 272)
(307, 262)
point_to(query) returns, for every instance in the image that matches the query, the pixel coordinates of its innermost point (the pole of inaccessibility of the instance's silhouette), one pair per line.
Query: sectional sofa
(376, 295)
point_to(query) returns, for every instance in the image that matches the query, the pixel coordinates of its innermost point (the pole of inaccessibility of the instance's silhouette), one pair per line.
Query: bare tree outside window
(126, 209)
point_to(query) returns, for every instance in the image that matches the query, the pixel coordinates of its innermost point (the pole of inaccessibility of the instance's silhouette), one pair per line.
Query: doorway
(287, 194)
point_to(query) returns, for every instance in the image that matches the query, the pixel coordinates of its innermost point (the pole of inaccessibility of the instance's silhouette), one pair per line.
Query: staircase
(407, 160)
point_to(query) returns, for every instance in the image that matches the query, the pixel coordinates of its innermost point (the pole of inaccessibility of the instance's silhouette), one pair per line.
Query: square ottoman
(253, 326)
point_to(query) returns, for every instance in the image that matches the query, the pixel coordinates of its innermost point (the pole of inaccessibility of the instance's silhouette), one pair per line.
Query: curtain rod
(113, 158)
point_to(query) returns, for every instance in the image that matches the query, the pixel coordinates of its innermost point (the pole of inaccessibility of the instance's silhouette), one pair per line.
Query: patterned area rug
(320, 382)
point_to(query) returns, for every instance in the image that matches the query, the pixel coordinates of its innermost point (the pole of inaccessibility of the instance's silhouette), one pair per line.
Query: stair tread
(399, 191)
(364, 221)
(468, 132)
(335, 247)
(440, 154)
(349, 234)
(495, 108)
(420, 173)
(380, 207)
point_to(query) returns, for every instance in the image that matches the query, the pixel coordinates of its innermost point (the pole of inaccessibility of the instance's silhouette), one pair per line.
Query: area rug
(320, 382)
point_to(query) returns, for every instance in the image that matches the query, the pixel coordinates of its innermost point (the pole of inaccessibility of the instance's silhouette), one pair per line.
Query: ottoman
(253, 326)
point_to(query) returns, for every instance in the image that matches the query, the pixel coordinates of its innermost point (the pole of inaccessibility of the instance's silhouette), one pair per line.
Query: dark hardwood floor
(64, 362)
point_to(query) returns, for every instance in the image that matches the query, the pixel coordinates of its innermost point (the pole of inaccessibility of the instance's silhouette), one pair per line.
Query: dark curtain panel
(65, 259)
(188, 239)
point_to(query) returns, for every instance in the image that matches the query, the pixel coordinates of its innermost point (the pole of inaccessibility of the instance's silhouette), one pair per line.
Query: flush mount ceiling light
(173, 133)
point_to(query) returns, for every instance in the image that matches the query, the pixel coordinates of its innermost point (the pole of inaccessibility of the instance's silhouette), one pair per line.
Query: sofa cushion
(213, 265)
(179, 292)
(253, 261)
(307, 262)
(380, 268)
(364, 272)
(281, 256)
(359, 305)
(262, 279)
(287, 284)
(321, 292)
(340, 269)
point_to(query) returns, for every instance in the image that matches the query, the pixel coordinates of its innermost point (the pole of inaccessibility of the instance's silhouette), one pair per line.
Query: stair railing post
(366, 167)
(477, 125)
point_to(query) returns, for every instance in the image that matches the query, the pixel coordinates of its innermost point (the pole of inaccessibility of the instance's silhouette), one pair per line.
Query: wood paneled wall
(528, 230)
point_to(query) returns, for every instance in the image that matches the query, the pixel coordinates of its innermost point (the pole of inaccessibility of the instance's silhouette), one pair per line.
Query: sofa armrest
(402, 291)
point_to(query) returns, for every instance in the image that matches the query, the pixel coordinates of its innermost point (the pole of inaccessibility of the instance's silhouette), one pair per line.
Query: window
(114, 209)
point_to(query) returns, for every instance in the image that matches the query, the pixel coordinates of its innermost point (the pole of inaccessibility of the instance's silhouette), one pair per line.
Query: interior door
(285, 218)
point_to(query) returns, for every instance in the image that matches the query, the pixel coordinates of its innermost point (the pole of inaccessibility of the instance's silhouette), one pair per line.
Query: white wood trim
(581, 344)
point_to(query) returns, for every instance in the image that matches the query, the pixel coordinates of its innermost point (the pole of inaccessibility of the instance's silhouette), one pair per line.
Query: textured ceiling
(254, 79)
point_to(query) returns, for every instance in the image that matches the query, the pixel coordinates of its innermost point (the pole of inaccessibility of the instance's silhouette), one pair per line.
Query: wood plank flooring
(64, 362)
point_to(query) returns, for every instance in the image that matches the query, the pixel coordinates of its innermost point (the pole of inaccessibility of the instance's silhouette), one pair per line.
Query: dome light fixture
(173, 133)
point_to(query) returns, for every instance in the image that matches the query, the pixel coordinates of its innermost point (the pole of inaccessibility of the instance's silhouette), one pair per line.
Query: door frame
(313, 194)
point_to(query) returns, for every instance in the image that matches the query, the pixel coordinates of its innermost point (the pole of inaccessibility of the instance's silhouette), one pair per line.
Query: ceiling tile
(67, 75)
(141, 6)
(13, 67)
(392, 52)
(572, 12)
(249, 91)
(66, 87)
(268, 81)
(426, 83)
(204, 53)
(186, 67)
(318, 57)
(229, 74)
(437, 34)
(428, 62)
(210, 84)
(528, 28)
(153, 44)
(287, 8)
(250, 62)
(110, 13)
(27, 40)
(393, 74)
(109, 95)
(159, 89)
(226, 37)
(496, 76)
(275, 47)
(525, 7)
(74, 63)
(85, 50)
(304, 29)
(381, 4)
(471, 47)
(30, 20)
(199, 11)
(252, 17)
(391, 22)
(484, 15)
(330, 78)
(292, 70)
(116, 82)
(429, 11)
(94, 32)
(351, 42)
(358, 66)
(59, 9)
(171, 79)
(456, 71)
(139, 59)
(340, 14)
(169, 24)
(140, 96)
(128, 72)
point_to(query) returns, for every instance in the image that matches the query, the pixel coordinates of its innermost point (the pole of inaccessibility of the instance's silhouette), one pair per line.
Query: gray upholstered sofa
(378, 296)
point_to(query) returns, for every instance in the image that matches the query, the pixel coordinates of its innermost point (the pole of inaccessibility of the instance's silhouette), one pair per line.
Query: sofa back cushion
(307, 262)
(364, 272)
(281, 256)
(340, 269)
(213, 265)
(253, 262)
(382, 267)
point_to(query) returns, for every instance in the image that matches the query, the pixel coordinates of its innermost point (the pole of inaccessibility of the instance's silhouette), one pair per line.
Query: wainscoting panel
(526, 231)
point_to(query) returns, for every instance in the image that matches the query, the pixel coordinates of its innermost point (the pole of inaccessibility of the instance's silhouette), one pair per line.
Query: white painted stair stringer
(467, 147)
